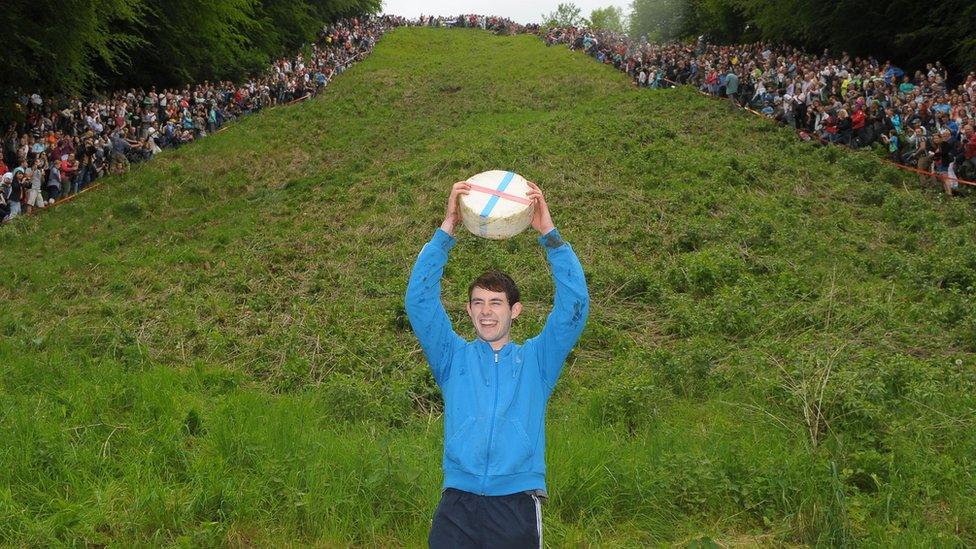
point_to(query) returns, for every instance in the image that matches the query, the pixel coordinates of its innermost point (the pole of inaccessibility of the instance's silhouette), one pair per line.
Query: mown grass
(212, 350)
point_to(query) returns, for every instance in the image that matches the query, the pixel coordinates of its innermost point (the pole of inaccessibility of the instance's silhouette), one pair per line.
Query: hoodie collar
(504, 351)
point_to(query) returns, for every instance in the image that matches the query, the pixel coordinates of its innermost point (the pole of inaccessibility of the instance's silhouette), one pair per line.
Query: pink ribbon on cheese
(500, 194)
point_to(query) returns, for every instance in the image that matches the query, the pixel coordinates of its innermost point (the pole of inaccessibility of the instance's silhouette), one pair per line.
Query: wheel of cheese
(497, 206)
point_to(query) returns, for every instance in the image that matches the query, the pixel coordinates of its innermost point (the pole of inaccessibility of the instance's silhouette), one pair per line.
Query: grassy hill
(213, 350)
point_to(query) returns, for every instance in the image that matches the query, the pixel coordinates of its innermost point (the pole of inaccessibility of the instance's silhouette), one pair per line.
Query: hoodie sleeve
(424, 308)
(569, 311)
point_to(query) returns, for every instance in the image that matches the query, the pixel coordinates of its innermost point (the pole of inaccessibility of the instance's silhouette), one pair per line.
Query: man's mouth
(488, 323)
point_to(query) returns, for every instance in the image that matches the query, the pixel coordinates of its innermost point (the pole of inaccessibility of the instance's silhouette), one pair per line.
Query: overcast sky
(520, 11)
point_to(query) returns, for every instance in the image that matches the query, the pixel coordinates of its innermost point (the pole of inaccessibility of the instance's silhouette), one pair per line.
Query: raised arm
(571, 304)
(423, 298)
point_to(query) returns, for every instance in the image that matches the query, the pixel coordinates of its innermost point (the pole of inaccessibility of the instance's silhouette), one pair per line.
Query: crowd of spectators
(498, 25)
(63, 146)
(919, 119)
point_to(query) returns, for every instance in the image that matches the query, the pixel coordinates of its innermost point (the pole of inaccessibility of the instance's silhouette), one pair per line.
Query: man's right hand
(452, 214)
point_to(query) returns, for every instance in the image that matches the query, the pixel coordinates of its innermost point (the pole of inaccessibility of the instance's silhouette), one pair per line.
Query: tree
(723, 21)
(55, 47)
(907, 31)
(610, 18)
(566, 15)
(660, 20)
(74, 47)
(192, 40)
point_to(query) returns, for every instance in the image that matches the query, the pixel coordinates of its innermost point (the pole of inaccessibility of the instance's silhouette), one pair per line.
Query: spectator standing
(969, 166)
(53, 182)
(16, 192)
(732, 86)
(844, 127)
(7, 179)
(858, 122)
(68, 171)
(34, 197)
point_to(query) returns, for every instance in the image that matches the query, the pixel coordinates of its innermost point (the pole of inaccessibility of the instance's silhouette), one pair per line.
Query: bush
(735, 311)
(704, 272)
(956, 271)
(760, 233)
(639, 284)
(966, 333)
(830, 154)
(685, 318)
(691, 238)
(889, 175)
(862, 165)
(128, 209)
(687, 372)
(600, 337)
(630, 398)
(350, 398)
(873, 195)
(909, 210)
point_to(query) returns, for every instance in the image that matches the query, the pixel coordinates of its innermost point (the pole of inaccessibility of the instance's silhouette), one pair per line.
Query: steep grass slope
(213, 350)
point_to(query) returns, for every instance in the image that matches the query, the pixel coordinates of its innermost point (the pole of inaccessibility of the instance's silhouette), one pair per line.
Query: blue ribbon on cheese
(483, 226)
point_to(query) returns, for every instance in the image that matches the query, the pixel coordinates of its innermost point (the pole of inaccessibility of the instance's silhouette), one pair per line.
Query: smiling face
(492, 315)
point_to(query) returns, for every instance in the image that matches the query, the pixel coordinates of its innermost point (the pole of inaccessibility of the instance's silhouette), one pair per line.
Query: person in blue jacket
(495, 390)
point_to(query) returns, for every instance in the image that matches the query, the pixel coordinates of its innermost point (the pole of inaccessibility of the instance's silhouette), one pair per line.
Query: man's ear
(516, 310)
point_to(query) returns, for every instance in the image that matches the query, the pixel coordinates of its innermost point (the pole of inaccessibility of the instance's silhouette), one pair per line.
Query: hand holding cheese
(541, 220)
(452, 214)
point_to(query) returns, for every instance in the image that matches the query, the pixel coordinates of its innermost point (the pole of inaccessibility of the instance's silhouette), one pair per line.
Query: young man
(495, 391)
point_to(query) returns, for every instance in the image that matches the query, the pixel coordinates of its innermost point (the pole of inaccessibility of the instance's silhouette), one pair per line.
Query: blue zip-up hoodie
(495, 402)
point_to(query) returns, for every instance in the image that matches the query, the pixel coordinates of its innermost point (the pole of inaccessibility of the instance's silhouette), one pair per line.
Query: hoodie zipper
(491, 426)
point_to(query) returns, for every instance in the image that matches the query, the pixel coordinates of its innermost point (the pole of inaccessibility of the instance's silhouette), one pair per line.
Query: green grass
(212, 349)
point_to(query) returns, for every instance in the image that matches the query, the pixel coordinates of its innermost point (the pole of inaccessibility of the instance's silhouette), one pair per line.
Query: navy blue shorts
(464, 519)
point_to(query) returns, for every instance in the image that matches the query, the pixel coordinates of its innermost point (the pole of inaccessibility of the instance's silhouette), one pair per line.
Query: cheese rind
(492, 216)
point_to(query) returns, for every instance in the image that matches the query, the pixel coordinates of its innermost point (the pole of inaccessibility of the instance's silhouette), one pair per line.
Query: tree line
(73, 47)
(909, 32)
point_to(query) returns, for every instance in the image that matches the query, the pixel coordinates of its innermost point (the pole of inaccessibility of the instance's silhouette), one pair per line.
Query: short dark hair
(496, 281)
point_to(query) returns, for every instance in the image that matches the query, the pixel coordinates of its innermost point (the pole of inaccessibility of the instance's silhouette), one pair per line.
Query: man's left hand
(541, 220)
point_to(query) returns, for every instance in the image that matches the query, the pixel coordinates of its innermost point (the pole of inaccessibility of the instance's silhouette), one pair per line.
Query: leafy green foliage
(194, 40)
(565, 15)
(660, 20)
(53, 47)
(908, 32)
(610, 18)
(73, 47)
